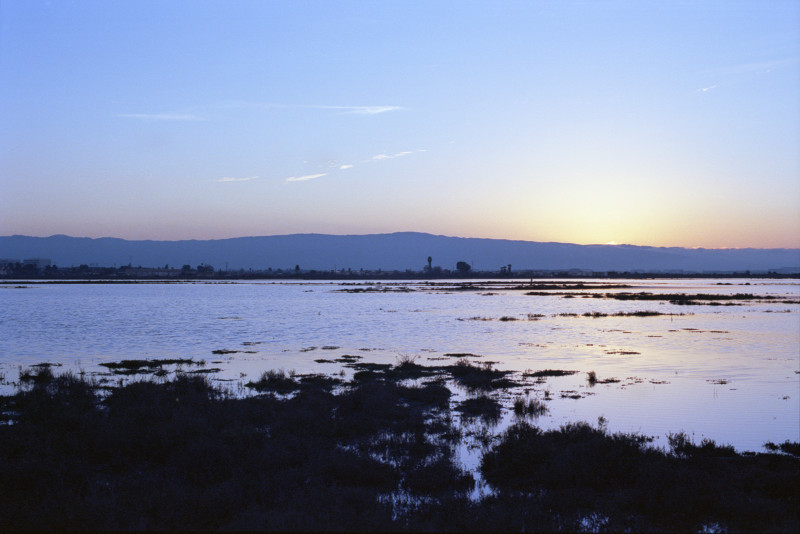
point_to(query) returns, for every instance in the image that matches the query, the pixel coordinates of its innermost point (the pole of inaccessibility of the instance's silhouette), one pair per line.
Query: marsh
(727, 373)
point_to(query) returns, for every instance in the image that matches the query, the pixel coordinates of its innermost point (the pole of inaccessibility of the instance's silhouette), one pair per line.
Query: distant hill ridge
(395, 251)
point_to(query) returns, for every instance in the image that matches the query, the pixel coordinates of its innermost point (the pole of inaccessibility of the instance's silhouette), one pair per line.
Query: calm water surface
(729, 373)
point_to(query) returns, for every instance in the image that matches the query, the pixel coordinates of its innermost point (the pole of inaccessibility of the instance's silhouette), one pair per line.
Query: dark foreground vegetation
(375, 453)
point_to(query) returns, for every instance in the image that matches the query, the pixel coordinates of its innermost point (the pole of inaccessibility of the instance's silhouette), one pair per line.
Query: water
(728, 373)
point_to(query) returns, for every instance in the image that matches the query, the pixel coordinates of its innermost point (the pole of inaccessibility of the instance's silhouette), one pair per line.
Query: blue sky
(652, 123)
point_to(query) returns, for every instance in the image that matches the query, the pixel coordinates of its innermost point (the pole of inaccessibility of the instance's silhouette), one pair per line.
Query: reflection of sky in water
(724, 372)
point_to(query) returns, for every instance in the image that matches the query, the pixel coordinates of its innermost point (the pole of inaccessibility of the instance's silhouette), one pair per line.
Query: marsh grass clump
(478, 377)
(407, 365)
(348, 358)
(598, 315)
(132, 367)
(366, 375)
(320, 381)
(406, 360)
(547, 372)
(127, 364)
(369, 366)
(579, 470)
(487, 408)
(178, 361)
(429, 394)
(275, 380)
(38, 376)
(591, 378)
(683, 299)
(408, 368)
(681, 445)
(576, 455)
(788, 447)
(207, 371)
(442, 477)
(595, 315)
(532, 407)
(644, 313)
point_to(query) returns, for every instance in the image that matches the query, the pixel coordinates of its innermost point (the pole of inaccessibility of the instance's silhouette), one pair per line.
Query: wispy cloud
(706, 89)
(334, 166)
(362, 110)
(380, 157)
(232, 179)
(307, 177)
(162, 116)
(355, 110)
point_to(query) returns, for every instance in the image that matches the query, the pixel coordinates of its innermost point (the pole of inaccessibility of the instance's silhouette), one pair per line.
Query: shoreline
(134, 276)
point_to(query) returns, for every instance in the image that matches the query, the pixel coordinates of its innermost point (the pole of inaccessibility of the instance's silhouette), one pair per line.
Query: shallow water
(729, 373)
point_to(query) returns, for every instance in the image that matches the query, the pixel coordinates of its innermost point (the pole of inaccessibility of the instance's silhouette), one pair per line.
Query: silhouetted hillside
(397, 251)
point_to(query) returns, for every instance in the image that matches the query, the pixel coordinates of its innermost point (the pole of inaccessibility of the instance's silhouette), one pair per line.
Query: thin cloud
(307, 177)
(232, 179)
(162, 116)
(360, 110)
(706, 89)
(343, 167)
(356, 110)
(371, 110)
(380, 157)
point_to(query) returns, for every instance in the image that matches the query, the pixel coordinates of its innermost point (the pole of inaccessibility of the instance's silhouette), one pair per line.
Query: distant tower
(429, 263)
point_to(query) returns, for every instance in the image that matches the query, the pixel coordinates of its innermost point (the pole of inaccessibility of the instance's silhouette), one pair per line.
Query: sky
(662, 123)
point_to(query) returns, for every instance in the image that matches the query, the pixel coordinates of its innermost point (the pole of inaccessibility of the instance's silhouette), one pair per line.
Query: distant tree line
(462, 269)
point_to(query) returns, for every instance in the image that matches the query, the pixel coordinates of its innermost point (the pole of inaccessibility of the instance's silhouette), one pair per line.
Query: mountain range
(395, 251)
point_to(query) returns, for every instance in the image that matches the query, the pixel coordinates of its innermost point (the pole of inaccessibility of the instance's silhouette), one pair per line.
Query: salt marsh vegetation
(371, 454)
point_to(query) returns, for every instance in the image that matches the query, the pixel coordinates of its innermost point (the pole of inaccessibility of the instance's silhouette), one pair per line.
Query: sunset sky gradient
(641, 122)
